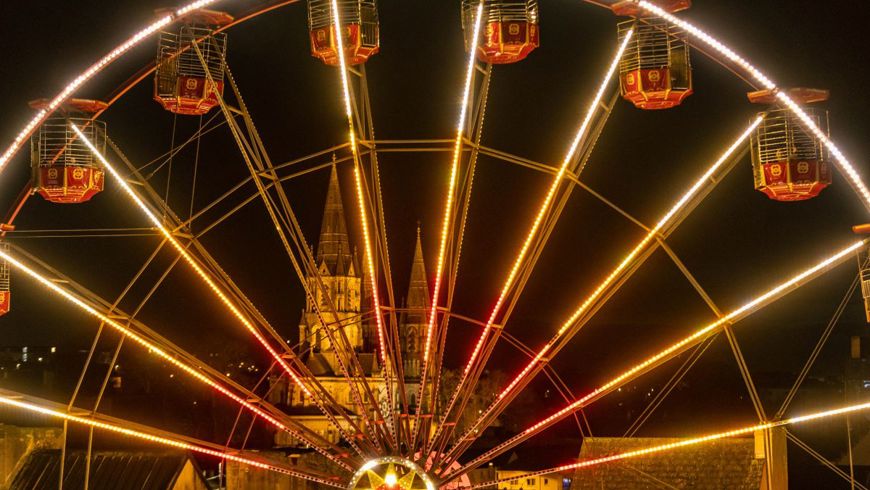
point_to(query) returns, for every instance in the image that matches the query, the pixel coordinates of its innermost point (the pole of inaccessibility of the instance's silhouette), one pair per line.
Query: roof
(109, 470)
(324, 364)
(319, 365)
(530, 458)
(728, 463)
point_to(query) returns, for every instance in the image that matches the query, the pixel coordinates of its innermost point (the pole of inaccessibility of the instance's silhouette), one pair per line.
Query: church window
(412, 342)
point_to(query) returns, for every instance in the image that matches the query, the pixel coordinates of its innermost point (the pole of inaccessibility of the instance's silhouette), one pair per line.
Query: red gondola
(65, 171)
(789, 162)
(359, 26)
(655, 71)
(181, 82)
(509, 32)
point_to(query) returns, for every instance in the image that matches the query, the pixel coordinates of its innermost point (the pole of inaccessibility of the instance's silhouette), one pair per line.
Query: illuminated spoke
(198, 371)
(369, 257)
(255, 155)
(675, 349)
(589, 306)
(845, 166)
(202, 274)
(449, 205)
(136, 431)
(527, 245)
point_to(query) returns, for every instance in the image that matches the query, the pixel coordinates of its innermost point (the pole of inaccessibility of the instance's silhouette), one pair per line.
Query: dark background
(737, 243)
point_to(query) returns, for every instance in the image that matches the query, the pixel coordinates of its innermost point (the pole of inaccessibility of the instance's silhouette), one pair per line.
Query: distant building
(524, 460)
(857, 372)
(28, 366)
(243, 477)
(544, 482)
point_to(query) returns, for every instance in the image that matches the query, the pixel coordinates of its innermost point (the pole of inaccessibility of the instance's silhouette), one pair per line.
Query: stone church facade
(344, 284)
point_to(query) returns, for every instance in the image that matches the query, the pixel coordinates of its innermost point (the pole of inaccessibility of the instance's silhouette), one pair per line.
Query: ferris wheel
(387, 423)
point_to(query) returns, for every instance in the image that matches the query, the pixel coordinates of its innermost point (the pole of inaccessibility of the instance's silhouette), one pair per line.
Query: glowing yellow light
(545, 206)
(758, 301)
(686, 442)
(357, 177)
(193, 6)
(451, 190)
(662, 223)
(390, 479)
(649, 238)
(850, 171)
(203, 275)
(536, 224)
(674, 349)
(166, 441)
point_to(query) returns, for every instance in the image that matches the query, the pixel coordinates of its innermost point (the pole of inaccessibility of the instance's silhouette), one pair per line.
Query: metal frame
(266, 177)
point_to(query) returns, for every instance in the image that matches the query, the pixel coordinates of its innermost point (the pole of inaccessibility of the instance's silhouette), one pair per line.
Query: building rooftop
(109, 470)
(728, 463)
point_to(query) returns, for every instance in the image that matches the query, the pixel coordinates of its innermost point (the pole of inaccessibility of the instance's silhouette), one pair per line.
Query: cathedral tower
(339, 272)
(413, 325)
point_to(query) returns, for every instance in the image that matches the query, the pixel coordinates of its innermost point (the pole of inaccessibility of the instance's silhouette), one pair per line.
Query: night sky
(737, 243)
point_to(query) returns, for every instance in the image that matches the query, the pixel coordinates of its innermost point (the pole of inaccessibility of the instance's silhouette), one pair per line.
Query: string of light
(451, 189)
(358, 185)
(674, 349)
(851, 173)
(203, 275)
(150, 346)
(369, 258)
(97, 67)
(448, 209)
(539, 218)
(623, 265)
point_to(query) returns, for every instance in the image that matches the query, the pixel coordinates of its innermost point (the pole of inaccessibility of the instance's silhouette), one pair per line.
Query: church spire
(334, 248)
(418, 287)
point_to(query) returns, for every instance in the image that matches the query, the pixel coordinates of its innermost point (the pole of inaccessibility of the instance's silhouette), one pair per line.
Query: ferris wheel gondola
(182, 84)
(790, 163)
(656, 70)
(65, 171)
(359, 27)
(510, 29)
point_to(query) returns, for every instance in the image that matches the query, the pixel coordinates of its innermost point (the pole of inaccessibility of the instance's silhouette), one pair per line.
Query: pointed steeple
(418, 286)
(334, 248)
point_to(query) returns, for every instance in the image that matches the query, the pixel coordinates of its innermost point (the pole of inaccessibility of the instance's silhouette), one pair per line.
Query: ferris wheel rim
(3, 162)
(27, 130)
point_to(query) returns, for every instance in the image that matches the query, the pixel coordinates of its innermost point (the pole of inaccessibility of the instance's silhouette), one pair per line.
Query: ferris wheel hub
(390, 473)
